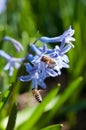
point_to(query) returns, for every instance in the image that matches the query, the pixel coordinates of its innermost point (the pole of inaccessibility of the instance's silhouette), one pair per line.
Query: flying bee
(37, 95)
(48, 60)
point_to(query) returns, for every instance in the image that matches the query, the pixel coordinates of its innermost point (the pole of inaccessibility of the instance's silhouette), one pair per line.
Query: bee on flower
(45, 63)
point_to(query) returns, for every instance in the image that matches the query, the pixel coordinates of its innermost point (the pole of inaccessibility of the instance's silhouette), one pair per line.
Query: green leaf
(12, 118)
(68, 93)
(53, 127)
(62, 99)
(6, 97)
(26, 113)
(38, 111)
(76, 107)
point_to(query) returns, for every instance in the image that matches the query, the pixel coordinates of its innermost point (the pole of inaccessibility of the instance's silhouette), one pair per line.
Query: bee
(48, 60)
(37, 95)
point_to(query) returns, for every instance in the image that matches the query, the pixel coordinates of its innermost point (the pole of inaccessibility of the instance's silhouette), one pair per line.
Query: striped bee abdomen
(37, 95)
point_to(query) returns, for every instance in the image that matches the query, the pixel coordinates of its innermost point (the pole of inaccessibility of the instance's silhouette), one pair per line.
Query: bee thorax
(48, 60)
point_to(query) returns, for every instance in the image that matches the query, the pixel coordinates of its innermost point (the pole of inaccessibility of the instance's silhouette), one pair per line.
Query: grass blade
(53, 127)
(12, 118)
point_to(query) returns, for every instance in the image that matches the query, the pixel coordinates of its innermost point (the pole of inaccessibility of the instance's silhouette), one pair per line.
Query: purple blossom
(57, 54)
(11, 62)
(39, 71)
(34, 75)
(66, 37)
(55, 59)
(15, 43)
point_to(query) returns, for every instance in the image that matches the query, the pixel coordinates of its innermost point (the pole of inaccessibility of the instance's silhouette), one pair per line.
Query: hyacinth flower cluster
(12, 62)
(45, 63)
(48, 62)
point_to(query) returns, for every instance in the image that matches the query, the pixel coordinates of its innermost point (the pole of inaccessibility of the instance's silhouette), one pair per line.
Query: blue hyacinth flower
(66, 37)
(14, 42)
(12, 62)
(34, 75)
(40, 69)
(57, 54)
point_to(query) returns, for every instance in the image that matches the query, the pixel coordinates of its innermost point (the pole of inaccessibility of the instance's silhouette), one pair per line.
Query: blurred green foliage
(23, 20)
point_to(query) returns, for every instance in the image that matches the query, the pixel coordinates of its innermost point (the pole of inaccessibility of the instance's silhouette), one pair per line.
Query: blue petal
(34, 83)
(7, 66)
(25, 78)
(65, 65)
(4, 55)
(49, 40)
(65, 58)
(44, 48)
(51, 72)
(11, 69)
(35, 49)
(17, 65)
(31, 70)
(48, 51)
(17, 59)
(42, 69)
(57, 69)
(42, 84)
(30, 57)
(69, 32)
(65, 49)
(15, 43)
(28, 67)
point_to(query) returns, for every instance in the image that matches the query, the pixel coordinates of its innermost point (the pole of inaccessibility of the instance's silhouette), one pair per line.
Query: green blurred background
(25, 20)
